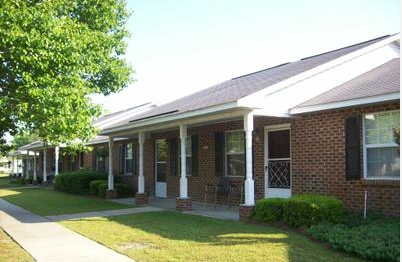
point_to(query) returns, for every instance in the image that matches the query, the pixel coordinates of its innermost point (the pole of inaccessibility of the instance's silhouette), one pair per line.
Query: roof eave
(180, 116)
(348, 103)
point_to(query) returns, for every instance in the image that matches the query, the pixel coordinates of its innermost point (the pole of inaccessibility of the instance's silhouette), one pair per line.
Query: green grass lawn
(47, 202)
(5, 181)
(170, 236)
(11, 251)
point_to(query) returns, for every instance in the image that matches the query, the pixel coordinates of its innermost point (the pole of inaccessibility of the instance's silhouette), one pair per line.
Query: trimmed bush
(269, 210)
(94, 185)
(78, 182)
(311, 209)
(123, 190)
(374, 240)
(102, 187)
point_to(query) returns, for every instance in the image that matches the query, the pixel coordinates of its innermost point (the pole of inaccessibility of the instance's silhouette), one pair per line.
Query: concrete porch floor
(221, 212)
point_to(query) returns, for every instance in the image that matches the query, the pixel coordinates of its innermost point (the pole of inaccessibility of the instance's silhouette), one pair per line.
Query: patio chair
(220, 189)
(236, 190)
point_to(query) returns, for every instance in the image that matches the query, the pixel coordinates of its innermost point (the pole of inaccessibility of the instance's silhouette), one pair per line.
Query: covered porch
(195, 135)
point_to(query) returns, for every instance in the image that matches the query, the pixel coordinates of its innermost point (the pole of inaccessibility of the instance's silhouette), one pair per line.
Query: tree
(53, 55)
(23, 139)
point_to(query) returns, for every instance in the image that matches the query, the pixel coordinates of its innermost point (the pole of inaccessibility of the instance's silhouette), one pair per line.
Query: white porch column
(27, 165)
(34, 167)
(56, 160)
(44, 165)
(183, 177)
(110, 177)
(13, 169)
(249, 183)
(141, 140)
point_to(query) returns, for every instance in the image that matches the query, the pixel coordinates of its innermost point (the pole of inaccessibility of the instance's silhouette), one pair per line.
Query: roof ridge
(349, 46)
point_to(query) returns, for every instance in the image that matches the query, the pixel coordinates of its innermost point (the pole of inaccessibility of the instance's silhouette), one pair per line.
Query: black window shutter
(219, 153)
(120, 159)
(134, 147)
(352, 143)
(194, 155)
(173, 156)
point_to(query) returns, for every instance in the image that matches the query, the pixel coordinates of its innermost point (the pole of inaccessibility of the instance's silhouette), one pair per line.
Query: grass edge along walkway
(11, 250)
(172, 236)
(49, 202)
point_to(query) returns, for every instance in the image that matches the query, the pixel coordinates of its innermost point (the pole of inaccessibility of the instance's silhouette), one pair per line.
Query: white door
(161, 151)
(278, 177)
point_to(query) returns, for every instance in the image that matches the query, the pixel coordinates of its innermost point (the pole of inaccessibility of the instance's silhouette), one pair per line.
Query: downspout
(365, 205)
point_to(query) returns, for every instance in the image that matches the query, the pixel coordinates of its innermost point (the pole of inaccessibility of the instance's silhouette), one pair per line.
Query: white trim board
(344, 104)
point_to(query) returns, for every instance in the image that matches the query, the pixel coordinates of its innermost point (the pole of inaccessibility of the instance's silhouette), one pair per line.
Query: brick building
(323, 124)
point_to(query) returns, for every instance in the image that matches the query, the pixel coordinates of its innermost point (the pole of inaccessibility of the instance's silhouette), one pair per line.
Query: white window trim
(374, 146)
(188, 154)
(226, 154)
(125, 159)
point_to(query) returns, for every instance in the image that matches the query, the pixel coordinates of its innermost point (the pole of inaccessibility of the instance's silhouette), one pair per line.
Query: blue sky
(179, 47)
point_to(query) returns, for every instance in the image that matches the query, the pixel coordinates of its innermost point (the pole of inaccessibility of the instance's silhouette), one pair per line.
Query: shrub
(374, 240)
(269, 210)
(78, 182)
(94, 185)
(123, 190)
(102, 187)
(310, 209)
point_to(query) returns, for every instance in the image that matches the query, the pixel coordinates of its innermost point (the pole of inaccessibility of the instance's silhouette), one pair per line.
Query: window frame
(189, 153)
(130, 159)
(382, 145)
(226, 153)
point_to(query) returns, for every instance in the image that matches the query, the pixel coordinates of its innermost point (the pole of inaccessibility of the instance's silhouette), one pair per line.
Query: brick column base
(141, 199)
(34, 182)
(245, 212)
(111, 194)
(183, 204)
(45, 183)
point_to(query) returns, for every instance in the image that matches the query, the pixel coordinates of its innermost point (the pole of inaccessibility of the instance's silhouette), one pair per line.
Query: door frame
(159, 187)
(276, 192)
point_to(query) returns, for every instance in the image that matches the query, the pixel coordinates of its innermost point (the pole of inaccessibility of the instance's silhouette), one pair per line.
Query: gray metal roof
(236, 88)
(381, 80)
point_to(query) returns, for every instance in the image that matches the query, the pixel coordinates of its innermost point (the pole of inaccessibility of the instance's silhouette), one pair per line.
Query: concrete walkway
(49, 241)
(221, 212)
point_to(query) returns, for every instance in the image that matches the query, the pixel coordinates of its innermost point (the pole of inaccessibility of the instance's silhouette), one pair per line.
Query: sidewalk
(49, 241)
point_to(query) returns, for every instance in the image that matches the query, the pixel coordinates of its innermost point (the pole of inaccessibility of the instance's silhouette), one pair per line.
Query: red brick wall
(318, 162)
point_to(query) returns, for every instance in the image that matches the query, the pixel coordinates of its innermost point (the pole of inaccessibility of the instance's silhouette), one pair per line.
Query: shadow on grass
(250, 242)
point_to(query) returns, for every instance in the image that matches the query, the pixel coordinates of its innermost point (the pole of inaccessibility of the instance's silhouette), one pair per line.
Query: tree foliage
(53, 55)
(23, 139)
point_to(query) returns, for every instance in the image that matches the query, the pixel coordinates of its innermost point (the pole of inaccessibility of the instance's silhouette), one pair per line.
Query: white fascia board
(257, 99)
(171, 117)
(126, 115)
(349, 103)
(106, 140)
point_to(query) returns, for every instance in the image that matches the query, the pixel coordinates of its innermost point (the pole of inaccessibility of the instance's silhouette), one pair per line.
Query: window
(81, 159)
(235, 155)
(188, 156)
(73, 163)
(381, 154)
(128, 159)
